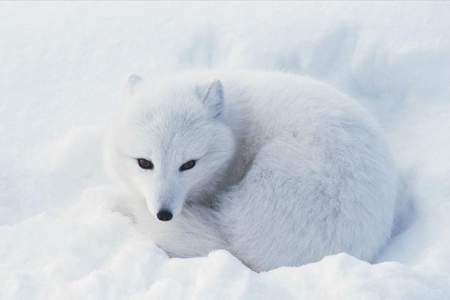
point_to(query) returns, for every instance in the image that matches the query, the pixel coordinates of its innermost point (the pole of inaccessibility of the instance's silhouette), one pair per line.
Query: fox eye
(145, 164)
(187, 165)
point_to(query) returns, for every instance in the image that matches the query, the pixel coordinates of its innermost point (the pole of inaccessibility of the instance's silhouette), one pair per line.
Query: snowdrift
(62, 68)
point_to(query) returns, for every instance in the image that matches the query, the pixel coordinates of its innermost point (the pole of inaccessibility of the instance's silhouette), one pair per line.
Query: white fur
(289, 169)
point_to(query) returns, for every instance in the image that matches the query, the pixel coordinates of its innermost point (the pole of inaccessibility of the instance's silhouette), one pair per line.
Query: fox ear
(134, 81)
(213, 98)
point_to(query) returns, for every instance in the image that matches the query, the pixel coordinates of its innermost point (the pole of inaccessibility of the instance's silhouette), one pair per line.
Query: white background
(62, 69)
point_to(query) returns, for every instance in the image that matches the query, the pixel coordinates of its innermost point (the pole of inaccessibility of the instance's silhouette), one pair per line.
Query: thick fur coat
(287, 169)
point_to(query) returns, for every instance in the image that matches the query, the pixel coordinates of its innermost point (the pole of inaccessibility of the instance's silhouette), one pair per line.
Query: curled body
(278, 169)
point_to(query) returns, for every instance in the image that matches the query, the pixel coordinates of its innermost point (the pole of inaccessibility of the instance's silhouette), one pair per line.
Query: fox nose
(164, 215)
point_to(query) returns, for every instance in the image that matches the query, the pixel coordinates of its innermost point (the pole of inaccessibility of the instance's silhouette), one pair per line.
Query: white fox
(278, 169)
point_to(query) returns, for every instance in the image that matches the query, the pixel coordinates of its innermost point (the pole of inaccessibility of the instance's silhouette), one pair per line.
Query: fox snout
(165, 206)
(163, 212)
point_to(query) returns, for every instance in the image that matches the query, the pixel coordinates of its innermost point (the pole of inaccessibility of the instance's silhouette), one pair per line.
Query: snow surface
(62, 68)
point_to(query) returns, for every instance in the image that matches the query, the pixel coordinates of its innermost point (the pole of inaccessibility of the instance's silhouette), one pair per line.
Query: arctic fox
(278, 169)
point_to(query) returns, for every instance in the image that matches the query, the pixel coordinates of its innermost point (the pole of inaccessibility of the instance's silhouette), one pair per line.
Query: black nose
(164, 215)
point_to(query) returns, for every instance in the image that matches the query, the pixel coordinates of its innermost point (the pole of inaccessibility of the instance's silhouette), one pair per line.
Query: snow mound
(63, 231)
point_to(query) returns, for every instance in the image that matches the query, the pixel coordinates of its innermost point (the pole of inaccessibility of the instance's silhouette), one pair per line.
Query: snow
(63, 234)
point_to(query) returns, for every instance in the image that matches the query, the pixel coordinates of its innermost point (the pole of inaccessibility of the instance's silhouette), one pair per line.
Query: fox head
(170, 144)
